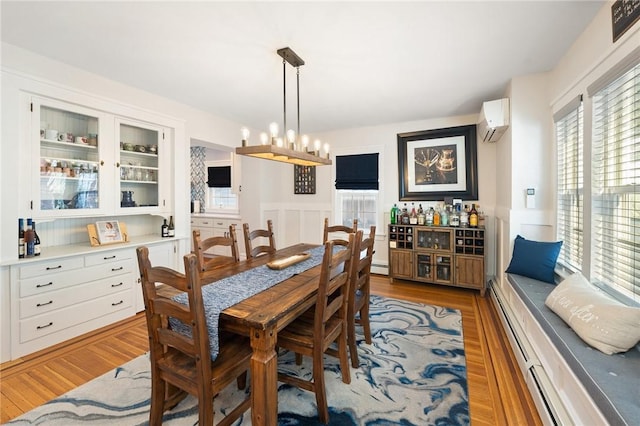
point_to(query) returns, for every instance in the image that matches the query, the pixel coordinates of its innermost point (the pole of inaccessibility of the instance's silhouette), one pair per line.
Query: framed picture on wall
(304, 179)
(439, 163)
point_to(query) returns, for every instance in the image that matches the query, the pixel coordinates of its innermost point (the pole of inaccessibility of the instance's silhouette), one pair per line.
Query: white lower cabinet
(57, 299)
(217, 227)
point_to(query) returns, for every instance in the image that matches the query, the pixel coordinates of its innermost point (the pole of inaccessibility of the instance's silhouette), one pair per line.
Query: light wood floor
(497, 392)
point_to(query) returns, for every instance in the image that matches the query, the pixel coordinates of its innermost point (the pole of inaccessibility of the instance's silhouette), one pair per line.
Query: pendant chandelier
(293, 148)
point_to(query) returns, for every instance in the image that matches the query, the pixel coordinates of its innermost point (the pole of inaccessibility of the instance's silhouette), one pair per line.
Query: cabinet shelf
(124, 153)
(50, 143)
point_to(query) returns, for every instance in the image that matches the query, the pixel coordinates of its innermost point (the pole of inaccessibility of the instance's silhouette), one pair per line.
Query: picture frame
(304, 179)
(109, 232)
(439, 163)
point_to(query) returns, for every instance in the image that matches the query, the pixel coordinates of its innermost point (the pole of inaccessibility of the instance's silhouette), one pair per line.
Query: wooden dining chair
(360, 293)
(182, 364)
(318, 328)
(341, 229)
(250, 236)
(207, 260)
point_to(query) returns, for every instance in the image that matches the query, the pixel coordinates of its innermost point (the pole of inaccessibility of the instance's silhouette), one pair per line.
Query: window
(219, 192)
(570, 184)
(357, 189)
(615, 184)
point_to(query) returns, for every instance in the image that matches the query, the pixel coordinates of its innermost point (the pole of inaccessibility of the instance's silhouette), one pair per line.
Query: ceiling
(367, 63)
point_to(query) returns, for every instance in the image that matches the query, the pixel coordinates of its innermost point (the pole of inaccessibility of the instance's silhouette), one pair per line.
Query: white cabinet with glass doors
(81, 169)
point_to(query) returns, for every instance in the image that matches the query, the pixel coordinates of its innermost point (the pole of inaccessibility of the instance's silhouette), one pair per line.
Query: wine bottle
(413, 218)
(164, 229)
(172, 229)
(29, 240)
(473, 217)
(36, 243)
(21, 249)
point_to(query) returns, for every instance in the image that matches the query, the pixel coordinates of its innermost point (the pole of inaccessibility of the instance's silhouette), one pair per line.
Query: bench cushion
(611, 380)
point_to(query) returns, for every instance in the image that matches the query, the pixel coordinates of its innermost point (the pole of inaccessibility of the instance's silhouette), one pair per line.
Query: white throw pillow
(600, 321)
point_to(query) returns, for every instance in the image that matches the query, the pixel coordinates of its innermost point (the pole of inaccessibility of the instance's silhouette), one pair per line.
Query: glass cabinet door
(433, 238)
(443, 269)
(70, 172)
(139, 166)
(424, 266)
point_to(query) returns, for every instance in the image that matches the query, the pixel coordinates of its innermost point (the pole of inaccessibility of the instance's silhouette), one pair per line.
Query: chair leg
(205, 408)
(298, 359)
(241, 381)
(351, 339)
(344, 357)
(366, 325)
(318, 386)
(158, 388)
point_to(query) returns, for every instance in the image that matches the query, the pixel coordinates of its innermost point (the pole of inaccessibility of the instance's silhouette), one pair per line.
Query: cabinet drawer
(51, 322)
(54, 300)
(106, 257)
(206, 222)
(115, 268)
(50, 267)
(52, 282)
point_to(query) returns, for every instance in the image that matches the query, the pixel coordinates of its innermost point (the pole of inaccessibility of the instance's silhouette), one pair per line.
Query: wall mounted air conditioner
(494, 120)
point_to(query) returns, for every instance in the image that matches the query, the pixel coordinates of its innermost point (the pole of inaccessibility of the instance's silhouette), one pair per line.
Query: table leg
(264, 378)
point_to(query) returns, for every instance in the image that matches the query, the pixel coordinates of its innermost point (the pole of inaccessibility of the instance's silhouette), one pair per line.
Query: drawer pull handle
(44, 285)
(118, 303)
(50, 268)
(109, 257)
(40, 327)
(44, 304)
(116, 285)
(117, 269)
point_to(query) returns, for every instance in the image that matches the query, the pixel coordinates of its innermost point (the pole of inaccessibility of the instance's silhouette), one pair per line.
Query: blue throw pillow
(534, 259)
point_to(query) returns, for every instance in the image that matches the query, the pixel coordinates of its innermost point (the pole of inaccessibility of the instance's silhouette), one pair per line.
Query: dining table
(261, 316)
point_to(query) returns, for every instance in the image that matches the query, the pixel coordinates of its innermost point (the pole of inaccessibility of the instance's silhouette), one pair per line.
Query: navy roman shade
(357, 171)
(219, 177)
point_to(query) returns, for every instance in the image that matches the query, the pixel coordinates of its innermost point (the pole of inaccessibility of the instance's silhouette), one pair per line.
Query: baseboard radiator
(550, 407)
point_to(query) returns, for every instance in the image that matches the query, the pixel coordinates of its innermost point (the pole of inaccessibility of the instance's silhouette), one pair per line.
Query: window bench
(571, 382)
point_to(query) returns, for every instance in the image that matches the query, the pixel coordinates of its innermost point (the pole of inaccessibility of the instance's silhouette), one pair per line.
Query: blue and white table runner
(222, 294)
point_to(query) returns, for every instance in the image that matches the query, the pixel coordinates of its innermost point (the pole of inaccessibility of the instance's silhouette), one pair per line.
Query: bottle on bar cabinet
(473, 217)
(29, 240)
(413, 218)
(164, 229)
(394, 213)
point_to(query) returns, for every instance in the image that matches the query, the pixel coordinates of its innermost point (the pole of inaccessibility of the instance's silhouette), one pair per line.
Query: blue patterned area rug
(413, 373)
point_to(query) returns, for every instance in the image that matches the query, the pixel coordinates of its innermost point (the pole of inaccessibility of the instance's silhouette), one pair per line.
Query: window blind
(219, 177)
(570, 184)
(616, 184)
(357, 171)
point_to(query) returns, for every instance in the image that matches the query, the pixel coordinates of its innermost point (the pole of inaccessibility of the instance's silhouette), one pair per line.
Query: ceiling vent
(494, 120)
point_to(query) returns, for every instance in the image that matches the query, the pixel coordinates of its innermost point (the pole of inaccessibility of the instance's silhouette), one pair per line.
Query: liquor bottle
(405, 215)
(413, 218)
(444, 220)
(421, 216)
(473, 217)
(464, 216)
(36, 244)
(29, 240)
(430, 213)
(454, 218)
(164, 229)
(21, 247)
(394, 213)
(172, 229)
(436, 217)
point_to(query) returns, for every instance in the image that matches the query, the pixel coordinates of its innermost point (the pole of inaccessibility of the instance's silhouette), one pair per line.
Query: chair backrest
(361, 266)
(333, 289)
(166, 345)
(208, 261)
(338, 228)
(249, 236)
